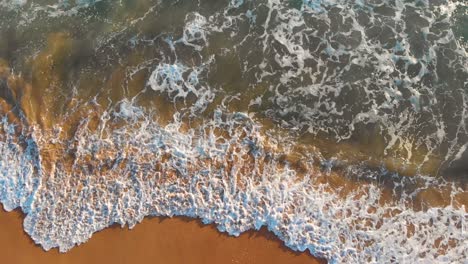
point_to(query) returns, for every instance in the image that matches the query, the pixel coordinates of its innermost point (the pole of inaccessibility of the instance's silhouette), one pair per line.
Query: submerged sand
(155, 240)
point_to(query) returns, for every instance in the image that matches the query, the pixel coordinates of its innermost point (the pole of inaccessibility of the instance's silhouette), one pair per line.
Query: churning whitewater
(340, 125)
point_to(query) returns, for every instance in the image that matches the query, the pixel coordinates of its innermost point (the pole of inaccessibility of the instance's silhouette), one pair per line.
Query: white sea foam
(144, 169)
(317, 58)
(195, 33)
(329, 66)
(178, 81)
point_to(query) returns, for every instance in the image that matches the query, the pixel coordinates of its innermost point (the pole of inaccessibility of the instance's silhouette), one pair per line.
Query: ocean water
(340, 125)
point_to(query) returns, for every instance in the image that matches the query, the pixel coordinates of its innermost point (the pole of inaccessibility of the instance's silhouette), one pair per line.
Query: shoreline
(172, 240)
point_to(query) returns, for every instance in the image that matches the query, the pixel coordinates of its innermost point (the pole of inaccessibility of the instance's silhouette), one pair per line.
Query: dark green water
(340, 125)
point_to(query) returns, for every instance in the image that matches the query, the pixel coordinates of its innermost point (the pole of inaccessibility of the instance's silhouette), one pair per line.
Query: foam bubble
(178, 81)
(339, 68)
(144, 169)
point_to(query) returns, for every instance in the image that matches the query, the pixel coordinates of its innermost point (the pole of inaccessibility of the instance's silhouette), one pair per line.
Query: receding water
(341, 125)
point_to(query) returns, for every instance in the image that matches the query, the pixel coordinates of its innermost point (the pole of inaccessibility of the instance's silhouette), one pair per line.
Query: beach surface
(170, 240)
(341, 126)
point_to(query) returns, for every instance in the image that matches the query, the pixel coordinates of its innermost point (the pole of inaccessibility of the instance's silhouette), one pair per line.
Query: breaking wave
(339, 125)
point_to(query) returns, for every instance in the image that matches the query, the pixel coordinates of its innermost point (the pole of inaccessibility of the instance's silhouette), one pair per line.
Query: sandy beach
(339, 125)
(155, 240)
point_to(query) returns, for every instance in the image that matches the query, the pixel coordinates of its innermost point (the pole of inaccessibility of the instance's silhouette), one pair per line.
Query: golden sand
(155, 240)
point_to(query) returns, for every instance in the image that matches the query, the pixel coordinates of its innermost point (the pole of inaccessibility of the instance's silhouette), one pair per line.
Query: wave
(240, 182)
(339, 125)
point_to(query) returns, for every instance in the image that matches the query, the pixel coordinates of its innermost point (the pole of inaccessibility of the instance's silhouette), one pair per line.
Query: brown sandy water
(66, 86)
(155, 240)
(173, 239)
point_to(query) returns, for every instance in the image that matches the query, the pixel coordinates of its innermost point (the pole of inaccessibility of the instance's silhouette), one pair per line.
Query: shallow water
(340, 125)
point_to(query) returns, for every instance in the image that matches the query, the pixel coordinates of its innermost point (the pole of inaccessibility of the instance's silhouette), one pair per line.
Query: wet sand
(155, 240)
